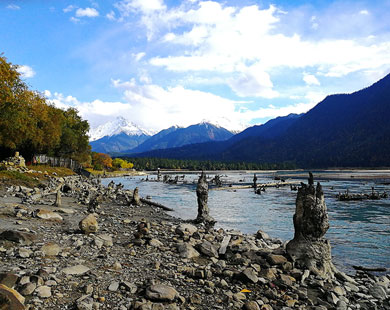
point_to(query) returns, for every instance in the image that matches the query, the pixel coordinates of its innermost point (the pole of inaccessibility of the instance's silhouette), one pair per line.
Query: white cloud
(87, 12)
(310, 79)
(13, 7)
(144, 6)
(252, 82)
(139, 56)
(47, 93)
(74, 20)
(69, 8)
(111, 15)
(215, 39)
(154, 107)
(26, 71)
(364, 12)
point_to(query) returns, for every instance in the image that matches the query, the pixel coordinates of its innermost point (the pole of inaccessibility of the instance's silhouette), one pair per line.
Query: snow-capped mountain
(176, 137)
(116, 127)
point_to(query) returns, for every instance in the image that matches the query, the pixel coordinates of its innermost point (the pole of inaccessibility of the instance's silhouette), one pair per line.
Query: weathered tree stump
(255, 182)
(57, 203)
(136, 199)
(308, 248)
(202, 192)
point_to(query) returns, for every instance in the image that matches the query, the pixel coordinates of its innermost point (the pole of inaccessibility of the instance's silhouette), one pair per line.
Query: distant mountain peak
(208, 122)
(116, 127)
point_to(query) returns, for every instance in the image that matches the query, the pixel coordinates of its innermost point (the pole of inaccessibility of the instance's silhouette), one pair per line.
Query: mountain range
(344, 130)
(117, 136)
(120, 136)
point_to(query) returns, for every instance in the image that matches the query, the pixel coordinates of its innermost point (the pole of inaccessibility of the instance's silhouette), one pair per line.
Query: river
(359, 230)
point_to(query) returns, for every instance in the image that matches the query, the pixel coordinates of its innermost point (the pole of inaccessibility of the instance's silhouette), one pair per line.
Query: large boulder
(161, 292)
(89, 224)
(22, 238)
(10, 299)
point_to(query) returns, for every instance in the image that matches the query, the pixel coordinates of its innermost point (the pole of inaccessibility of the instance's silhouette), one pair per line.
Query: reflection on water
(359, 231)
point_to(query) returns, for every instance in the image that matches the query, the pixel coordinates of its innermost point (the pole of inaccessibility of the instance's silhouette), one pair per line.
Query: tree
(30, 124)
(74, 138)
(101, 160)
(121, 163)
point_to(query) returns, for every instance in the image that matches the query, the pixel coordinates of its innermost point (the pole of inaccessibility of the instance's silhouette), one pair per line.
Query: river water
(359, 230)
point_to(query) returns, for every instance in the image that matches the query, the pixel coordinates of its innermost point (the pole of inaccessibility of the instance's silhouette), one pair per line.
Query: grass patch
(112, 173)
(60, 171)
(32, 179)
(18, 178)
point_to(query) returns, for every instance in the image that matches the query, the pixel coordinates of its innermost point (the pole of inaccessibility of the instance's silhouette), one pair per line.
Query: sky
(160, 63)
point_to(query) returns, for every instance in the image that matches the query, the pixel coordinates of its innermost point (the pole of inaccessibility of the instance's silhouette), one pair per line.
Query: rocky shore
(74, 244)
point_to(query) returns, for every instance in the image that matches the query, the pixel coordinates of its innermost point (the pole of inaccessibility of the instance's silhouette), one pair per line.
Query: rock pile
(17, 161)
(141, 258)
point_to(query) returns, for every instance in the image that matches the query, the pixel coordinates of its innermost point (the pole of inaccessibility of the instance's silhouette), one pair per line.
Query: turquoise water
(359, 231)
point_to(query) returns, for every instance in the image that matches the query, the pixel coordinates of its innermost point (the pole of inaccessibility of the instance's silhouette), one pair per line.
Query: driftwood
(155, 204)
(378, 269)
(273, 184)
(351, 197)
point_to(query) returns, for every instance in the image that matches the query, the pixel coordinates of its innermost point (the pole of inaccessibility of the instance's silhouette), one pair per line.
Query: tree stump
(202, 192)
(308, 248)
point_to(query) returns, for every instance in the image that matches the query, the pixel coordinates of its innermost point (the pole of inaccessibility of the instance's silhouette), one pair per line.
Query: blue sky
(160, 63)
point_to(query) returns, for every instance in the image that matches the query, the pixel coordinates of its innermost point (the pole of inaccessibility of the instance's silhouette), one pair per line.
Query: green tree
(74, 138)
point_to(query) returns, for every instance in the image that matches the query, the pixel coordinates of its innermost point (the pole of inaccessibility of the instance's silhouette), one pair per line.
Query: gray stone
(28, 288)
(103, 240)
(208, 249)
(341, 305)
(51, 249)
(261, 235)
(187, 251)
(276, 259)
(161, 292)
(24, 253)
(76, 270)
(8, 279)
(48, 215)
(113, 286)
(89, 224)
(43, 291)
(18, 237)
(10, 299)
(249, 275)
(155, 243)
(378, 291)
(186, 229)
(131, 287)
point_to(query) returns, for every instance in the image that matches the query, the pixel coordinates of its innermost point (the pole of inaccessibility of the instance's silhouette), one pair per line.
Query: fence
(57, 162)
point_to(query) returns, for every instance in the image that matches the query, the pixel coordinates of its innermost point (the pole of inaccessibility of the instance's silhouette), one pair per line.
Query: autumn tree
(101, 161)
(30, 124)
(121, 163)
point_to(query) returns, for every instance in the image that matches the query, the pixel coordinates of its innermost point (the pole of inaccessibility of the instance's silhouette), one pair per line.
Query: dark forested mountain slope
(117, 143)
(155, 142)
(342, 130)
(202, 132)
(271, 129)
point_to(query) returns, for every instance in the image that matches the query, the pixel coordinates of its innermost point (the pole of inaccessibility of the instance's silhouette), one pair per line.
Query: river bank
(142, 258)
